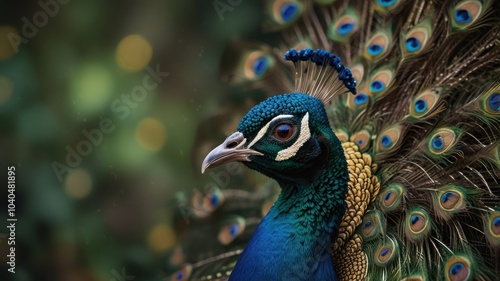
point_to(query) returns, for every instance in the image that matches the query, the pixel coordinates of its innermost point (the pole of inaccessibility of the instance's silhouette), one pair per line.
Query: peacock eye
(284, 131)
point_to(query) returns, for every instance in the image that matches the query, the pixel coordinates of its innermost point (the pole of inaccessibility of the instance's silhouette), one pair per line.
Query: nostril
(234, 140)
(232, 144)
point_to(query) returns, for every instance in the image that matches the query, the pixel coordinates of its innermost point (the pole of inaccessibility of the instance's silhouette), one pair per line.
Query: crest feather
(320, 74)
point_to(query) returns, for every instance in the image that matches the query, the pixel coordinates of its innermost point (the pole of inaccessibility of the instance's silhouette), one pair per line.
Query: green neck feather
(318, 202)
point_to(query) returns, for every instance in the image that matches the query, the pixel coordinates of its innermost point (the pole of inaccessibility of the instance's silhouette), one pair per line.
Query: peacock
(381, 126)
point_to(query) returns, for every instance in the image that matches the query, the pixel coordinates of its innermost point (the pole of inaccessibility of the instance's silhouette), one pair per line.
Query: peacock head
(288, 137)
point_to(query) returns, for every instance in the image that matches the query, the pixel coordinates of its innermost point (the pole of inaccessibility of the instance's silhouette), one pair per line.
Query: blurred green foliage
(99, 207)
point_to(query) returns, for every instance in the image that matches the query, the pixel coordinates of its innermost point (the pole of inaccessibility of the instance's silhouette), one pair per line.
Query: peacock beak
(231, 150)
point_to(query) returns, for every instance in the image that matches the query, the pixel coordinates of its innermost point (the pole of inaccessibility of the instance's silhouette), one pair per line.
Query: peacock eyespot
(360, 98)
(412, 44)
(389, 139)
(424, 103)
(285, 12)
(386, 3)
(417, 39)
(233, 229)
(465, 13)
(420, 105)
(288, 11)
(458, 269)
(370, 227)
(386, 253)
(494, 102)
(260, 65)
(182, 274)
(380, 81)
(437, 142)
(449, 200)
(417, 222)
(345, 28)
(257, 64)
(389, 198)
(490, 102)
(495, 226)
(442, 141)
(378, 45)
(386, 141)
(462, 16)
(214, 199)
(414, 219)
(496, 222)
(377, 86)
(284, 131)
(209, 202)
(375, 49)
(361, 138)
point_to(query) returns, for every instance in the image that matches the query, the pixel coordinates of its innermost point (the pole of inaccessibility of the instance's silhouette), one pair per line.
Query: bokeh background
(105, 207)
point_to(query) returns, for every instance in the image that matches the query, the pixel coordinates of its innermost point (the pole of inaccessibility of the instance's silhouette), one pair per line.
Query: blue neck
(294, 238)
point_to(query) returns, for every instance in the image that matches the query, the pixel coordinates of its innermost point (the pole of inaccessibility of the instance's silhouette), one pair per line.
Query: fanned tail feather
(426, 113)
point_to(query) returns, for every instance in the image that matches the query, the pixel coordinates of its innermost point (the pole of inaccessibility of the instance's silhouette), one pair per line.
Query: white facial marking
(304, 136)
(262, 131)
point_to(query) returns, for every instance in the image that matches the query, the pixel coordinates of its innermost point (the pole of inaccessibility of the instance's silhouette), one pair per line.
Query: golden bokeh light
(9, 41)
(6, 87)
(151, 134)
(161, 238)
(78, 184)
(133, 53)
